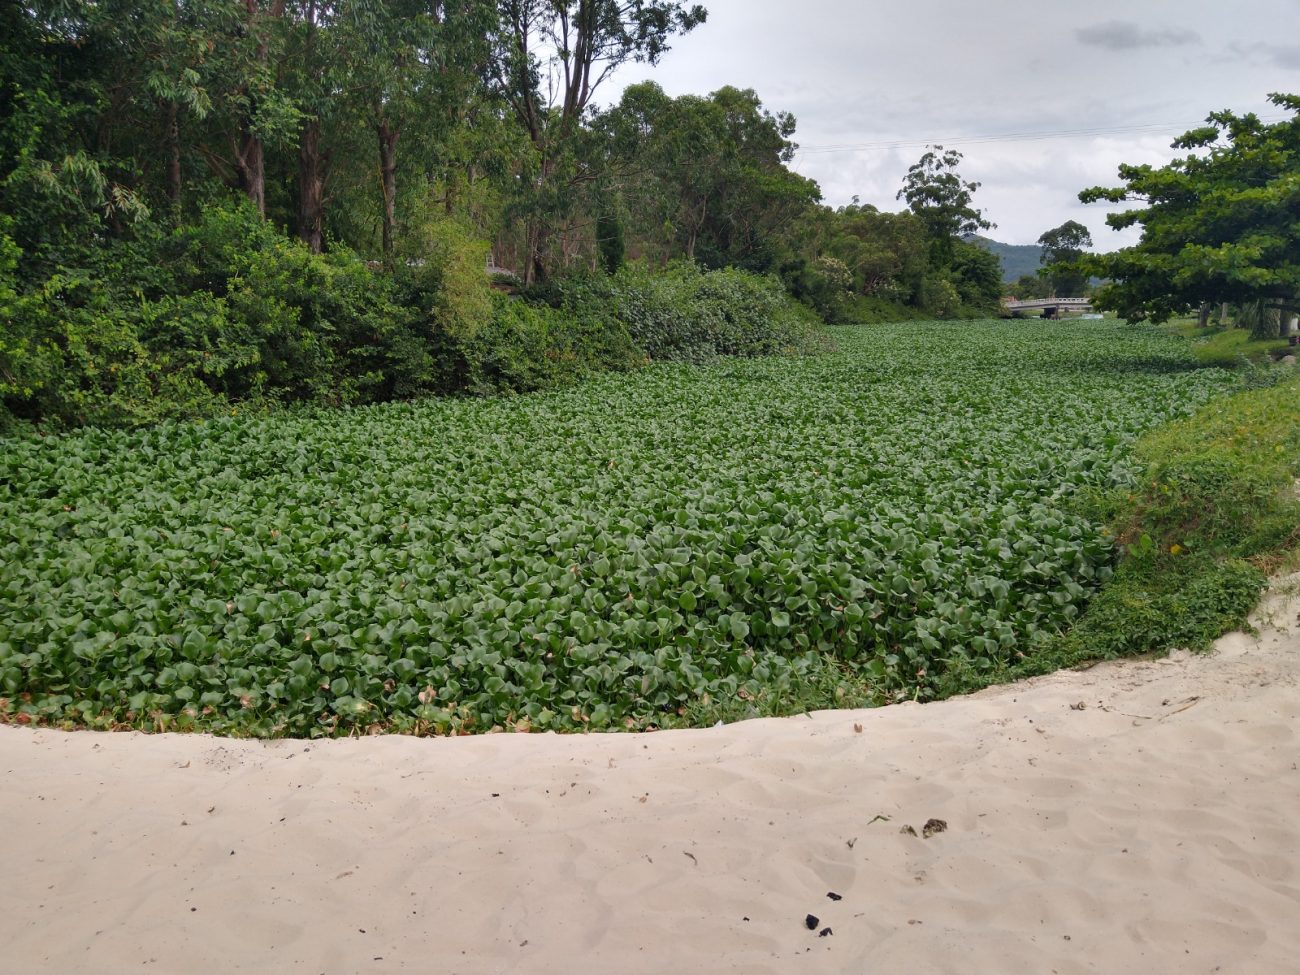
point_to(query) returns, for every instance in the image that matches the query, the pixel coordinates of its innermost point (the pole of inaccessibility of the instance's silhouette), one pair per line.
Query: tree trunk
(174, 154)
(250, 164)
(388, 183)
(311, 187)
(1204, 316)
(250, 154)
(540, 231)
(538, 235)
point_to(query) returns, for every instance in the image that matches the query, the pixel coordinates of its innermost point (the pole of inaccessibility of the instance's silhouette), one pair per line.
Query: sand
(1136, 817)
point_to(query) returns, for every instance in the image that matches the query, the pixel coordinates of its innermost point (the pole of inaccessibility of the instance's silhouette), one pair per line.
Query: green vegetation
(1062, 246)
(1216, 510)
(219, 205)
(226, 313)
(1218, 225)
(242, 244)
(1232, 347)
(1227, 347)
(756, 534)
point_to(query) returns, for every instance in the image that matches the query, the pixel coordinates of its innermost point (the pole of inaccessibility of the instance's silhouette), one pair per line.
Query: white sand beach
(1138, 817)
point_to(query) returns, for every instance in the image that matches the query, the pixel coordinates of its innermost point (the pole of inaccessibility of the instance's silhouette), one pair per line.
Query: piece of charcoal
(812, 920)
(834, 896)
(824, 932)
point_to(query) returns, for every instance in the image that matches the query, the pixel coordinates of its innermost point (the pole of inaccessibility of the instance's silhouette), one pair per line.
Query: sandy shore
(1139, 817)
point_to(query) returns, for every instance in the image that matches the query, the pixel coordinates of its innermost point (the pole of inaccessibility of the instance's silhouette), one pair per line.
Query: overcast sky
(870, 75)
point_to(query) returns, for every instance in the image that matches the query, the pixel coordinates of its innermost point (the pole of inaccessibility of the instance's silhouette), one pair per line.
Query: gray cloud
(1278, 55)
(1124, 35)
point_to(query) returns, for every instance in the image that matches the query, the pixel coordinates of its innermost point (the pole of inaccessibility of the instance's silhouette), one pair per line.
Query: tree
(590, 39)
(1064, 246)
(1029, 286)
(1218, 225)
(705, 177)
(936, 193)
(977, 275)
(885, 251)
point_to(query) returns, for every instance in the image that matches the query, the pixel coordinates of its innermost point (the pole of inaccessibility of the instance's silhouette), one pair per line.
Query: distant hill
(1017, 259)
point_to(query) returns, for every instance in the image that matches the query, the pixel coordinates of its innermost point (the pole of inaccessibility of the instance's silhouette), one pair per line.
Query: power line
(1009, 137)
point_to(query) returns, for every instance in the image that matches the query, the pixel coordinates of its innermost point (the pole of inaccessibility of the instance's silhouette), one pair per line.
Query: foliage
(873, 521)
(528, 347)
(1214, 512)
(1030, 286)
(181, 322)
(444, 271)
(423, 136)
(610, 242)
(706, 178)
(688, 314)
(977, 276)
(937, 194)
(1062, 247)
(588, 39)
(1217, 225)
(1233, 348)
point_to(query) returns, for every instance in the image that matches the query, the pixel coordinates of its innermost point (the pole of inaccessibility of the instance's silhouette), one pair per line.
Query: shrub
(528, 347)
(686, 314)
(444, 274)
(185, 322)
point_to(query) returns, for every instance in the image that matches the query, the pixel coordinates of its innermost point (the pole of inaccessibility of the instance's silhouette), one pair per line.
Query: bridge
(1051, 307)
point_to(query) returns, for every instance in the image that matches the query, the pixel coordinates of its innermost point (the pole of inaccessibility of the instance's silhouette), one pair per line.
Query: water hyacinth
(596, 557)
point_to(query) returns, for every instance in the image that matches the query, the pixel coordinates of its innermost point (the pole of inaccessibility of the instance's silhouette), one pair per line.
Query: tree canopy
(1218, 224)
(936, 193)
(1062, 247)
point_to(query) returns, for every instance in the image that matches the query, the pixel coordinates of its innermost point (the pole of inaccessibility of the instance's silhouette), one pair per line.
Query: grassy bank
(1216, 512)
(1228, 348)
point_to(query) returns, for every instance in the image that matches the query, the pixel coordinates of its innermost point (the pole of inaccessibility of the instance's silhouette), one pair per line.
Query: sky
(1042, 97)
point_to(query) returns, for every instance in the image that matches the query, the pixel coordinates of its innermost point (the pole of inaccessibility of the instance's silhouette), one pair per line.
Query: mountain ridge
(1016, 259)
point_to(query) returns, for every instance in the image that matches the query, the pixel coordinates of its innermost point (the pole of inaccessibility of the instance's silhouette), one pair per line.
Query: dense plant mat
(882, 521)
(1215, 512)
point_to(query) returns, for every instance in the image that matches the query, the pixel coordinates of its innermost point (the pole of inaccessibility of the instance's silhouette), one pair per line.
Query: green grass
(1227, 348)
(1216, 511)
(889, 521)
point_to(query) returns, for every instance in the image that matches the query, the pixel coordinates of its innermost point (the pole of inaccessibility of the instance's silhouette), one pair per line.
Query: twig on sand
(1187, 704)
(1144, 717)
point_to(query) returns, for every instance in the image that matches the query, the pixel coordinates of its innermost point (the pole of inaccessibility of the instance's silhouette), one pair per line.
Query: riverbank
(1135, 817)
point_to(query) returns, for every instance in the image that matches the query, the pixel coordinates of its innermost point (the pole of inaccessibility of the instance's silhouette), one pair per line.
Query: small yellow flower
(1175, 549)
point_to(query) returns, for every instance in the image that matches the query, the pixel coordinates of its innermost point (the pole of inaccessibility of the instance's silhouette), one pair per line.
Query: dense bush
(528, 347)
(688, 314)
(184, 322)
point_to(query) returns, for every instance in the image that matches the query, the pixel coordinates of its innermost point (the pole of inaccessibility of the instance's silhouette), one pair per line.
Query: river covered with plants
(886, 516)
